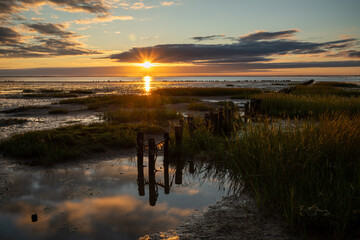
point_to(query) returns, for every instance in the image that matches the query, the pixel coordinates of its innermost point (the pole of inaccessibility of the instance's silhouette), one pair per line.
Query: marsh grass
(50, 95)
(11, 121)
(293, 106)
(327, 89)
(309, 172)
(23, 109)
(239, 92)
(59, 111)
(199, 106)
(129, 101)
(159, 116)
(48, 147)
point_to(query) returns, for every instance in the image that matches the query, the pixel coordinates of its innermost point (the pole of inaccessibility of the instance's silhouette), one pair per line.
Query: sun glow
(146, 64)
(147, 81)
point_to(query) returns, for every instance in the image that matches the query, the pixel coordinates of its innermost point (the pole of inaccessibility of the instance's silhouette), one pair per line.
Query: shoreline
(231, 217)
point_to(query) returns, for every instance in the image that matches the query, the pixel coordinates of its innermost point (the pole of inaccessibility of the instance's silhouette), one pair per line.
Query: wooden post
(141, 179)
(166, 146)
(191, 125)
(166, 177)
(221, 119)
(207, 120)
(140, 147)
(178, 135)
(181, 122)
(151, 164)
(178, 173)
(191, 167)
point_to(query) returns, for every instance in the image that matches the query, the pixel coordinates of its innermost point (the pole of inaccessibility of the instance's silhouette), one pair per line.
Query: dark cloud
(8, 36)
(49, 29)
(262, 35)
(91, 6)
(11, 45)
(354, 54)
(236, 52)
(210, 37)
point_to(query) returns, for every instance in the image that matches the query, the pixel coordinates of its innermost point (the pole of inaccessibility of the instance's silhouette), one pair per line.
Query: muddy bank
(232, 217)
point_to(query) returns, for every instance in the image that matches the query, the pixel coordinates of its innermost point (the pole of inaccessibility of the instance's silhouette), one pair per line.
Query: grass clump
(293, 106)
(48, 147)
(23, 109)
(199, 106)
(240, 92)
(11, 121)
(309, 172)
(59, 111)
(141, 115)
(328, 88)
(50, 95)
(111, 101)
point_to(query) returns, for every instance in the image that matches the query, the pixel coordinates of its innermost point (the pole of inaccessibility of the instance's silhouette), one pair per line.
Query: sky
(179, 37)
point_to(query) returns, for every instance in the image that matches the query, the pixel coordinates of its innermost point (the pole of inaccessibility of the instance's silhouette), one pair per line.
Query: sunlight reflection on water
(147, 81)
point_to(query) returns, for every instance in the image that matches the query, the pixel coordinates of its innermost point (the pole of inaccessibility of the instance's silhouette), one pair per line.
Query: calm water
(111, 199)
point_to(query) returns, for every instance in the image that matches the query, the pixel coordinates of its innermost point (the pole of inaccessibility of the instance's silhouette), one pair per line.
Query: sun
(146, 64)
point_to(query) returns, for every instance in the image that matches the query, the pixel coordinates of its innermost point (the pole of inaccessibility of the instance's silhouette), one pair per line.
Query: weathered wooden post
(191, 125)
(221, 119)
(178, 173)
(140, 147)
(166, 146)
(151, 163)
(140, 163)
(166, 177)
(191, 167)
(178, 135)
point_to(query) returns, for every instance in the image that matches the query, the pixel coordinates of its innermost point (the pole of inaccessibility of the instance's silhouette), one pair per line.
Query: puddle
(111, 199)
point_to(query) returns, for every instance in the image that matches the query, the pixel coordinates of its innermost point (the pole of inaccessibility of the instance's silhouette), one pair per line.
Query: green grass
(199, 106)
(328, 88)
(58, 111)
(11, 121)
(48, 147)
(50, 95)
(309, 172)
(160, 116)
(228, 104)
(129, 101)
(240, 92)
(293, 106)
(23, 109)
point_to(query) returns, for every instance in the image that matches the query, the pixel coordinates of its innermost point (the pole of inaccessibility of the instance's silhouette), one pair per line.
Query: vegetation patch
(11, 121)
(58, 111)
(240, 92)
(294, 106)
(309, 172)
(50, 95)
(48, 147)
(160, 116)
(199, 106)
(23, 109)
(82, 91)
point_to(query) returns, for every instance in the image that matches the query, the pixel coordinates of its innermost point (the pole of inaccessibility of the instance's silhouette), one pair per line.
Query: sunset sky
(180, 37)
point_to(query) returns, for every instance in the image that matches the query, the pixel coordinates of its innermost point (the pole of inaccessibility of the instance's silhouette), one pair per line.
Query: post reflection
(147, 80)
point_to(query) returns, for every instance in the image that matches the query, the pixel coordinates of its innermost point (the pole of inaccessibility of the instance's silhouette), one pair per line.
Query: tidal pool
(108, 199)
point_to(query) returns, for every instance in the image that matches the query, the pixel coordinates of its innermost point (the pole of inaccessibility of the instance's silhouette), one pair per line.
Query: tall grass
(141, 115)
(309, 172)
(48, 147)
(328, 88)
(199, 106)
(293, 106)
(241, 92)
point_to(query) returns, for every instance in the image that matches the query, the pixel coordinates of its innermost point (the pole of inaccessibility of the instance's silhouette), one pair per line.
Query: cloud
(354, 54)
(90, 6)
(50, 29)
(236, 52)
(61, 43)
(262, 35)
(104, 19)
(9, 36)
(210, 37)
(167, 3)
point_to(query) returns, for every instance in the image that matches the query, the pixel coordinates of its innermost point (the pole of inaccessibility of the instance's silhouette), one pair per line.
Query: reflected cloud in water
(106, 199)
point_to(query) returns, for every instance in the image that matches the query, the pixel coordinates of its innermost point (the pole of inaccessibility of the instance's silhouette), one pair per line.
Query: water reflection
(105, 199)
(147, 80)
